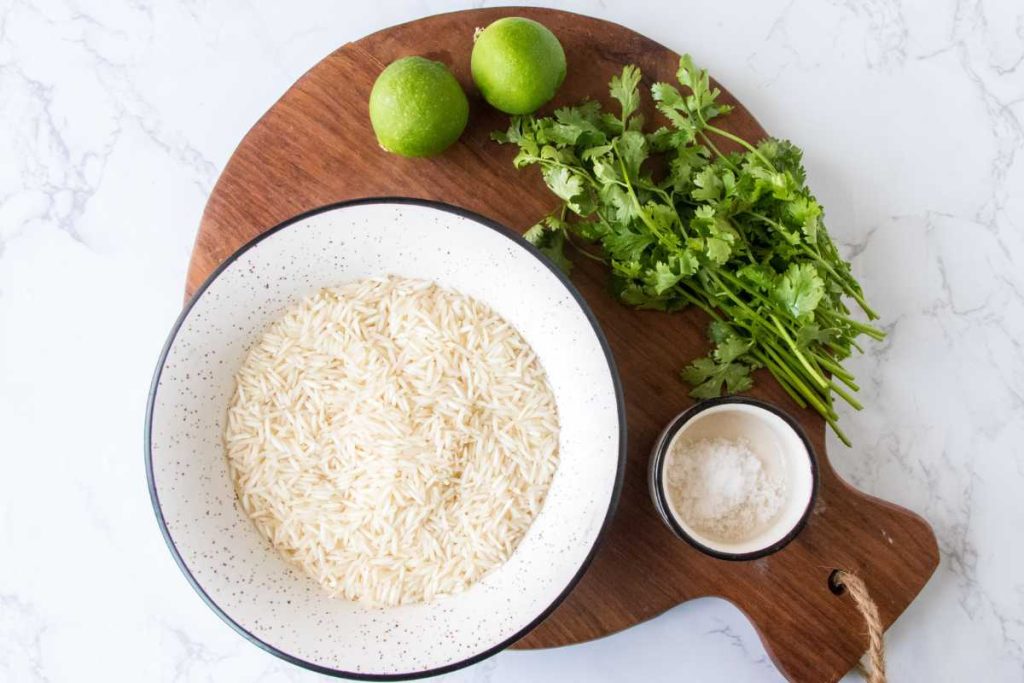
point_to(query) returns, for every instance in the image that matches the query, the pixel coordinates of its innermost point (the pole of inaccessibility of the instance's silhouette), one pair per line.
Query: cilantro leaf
(595, 152)
(607, 171)
(618, 202)
(564, 183)
(732, 348)
(717, 250)
(719, 332)
(686, 262)
(573, 122)
(702, 103)
(760, 276)
(800, 290)
(632, 149)
(708, 185)
(727, 364)
(684, 167)
(549, 238)
(663, 278)
(624, 89)
(737, 378)
(812, 333)
(805, 212)
(666, 94)
(708, 378)
(626, 246)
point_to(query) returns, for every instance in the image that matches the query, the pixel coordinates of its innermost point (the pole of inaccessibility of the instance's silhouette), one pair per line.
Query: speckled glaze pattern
(242, 576)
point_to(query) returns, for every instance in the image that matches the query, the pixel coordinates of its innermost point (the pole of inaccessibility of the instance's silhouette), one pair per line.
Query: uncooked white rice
(393, 438)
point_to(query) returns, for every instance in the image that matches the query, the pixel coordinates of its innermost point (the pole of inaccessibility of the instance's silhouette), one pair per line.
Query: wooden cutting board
(315, 147)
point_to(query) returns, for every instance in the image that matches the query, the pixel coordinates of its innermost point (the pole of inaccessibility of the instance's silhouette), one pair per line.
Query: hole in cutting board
(834, 585)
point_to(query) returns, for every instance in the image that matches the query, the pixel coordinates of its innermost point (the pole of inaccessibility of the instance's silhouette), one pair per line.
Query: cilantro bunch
(681, 223)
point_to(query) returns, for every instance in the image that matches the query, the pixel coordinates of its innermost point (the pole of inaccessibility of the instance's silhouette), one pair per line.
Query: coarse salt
(721, 488)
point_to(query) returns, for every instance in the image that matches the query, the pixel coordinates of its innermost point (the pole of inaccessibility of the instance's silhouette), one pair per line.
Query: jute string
(876, 645)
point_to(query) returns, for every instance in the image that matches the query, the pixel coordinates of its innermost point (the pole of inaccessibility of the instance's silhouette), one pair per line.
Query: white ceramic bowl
(241, 577)
(775, 438)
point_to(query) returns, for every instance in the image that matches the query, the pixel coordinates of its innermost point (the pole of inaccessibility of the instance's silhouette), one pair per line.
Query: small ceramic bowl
(236, 571)
(778, 441)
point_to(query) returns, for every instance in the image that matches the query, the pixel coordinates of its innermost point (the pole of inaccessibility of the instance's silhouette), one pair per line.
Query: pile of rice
(392, 438)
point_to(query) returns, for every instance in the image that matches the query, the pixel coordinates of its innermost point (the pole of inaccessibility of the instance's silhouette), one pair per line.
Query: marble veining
(115, 122)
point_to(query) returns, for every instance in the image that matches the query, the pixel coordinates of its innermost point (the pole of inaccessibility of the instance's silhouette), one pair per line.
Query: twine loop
(876, 644)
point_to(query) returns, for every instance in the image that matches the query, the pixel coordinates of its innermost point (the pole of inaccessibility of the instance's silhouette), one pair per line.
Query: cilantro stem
(838, 371)
(812, 396)
(796, 352)
(729, 136)
(739, 302)
(798, 370)
(575, 170)
(636, 202)
(810, 365)
(849, 382)
(789, 381)
(782, 378)
(775, 224)
(697, 302)
(746, 288)
(784, 374)
(848, 288)
(740, 141)
(869, 330)
(755, 319)
(580, 250)
(718, 153)
(845, 396)
(793, 394)
(839, 432)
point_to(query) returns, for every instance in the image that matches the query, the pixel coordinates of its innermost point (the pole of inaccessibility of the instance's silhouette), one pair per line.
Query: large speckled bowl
(237, 572)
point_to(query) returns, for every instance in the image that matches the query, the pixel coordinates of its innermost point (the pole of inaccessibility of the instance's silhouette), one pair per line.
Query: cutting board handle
(894, 548)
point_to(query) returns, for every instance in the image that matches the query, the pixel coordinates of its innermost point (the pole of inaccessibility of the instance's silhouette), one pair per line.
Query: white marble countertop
(115, 121)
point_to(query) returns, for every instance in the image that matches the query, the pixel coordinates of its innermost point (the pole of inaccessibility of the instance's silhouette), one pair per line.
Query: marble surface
(115, 121)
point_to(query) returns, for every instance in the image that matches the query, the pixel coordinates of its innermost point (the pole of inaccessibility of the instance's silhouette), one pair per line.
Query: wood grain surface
(315, 147)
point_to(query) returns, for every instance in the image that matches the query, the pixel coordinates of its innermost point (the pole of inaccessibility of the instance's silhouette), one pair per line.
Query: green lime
(417, 108)
(517, 64)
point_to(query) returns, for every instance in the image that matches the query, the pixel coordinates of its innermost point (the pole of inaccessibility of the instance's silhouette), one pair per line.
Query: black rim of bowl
(659, 475)
(612, 503)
